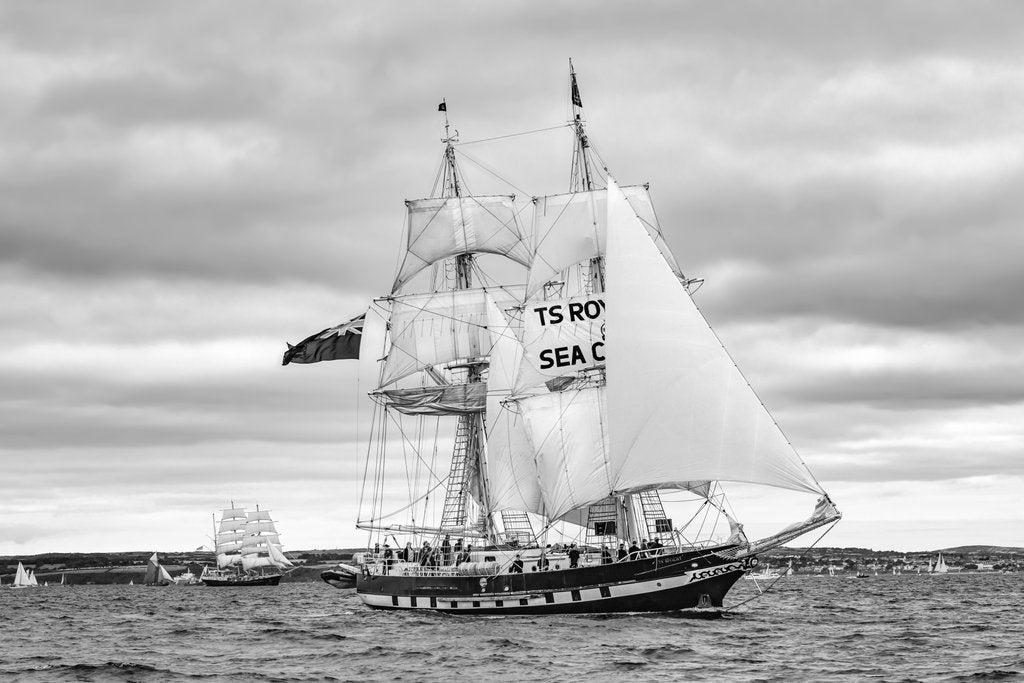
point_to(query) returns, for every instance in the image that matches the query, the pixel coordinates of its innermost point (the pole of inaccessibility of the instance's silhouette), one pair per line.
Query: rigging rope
(512, 135)
(779, 578)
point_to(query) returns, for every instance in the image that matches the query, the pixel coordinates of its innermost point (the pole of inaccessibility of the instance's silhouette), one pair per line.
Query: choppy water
(907, 628)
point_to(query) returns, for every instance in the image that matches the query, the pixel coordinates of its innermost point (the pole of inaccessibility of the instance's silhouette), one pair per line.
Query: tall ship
(554, 420)
(247, 548)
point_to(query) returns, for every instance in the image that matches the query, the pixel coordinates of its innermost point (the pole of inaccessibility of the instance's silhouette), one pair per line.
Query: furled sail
(429, 329)
(571, 228)
(441, 228)
(457, 399)
(511, 472)
(678, 407)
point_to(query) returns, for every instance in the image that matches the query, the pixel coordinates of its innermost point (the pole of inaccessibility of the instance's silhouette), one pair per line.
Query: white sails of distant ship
(940, 566)
(249, 540)
(247, 547)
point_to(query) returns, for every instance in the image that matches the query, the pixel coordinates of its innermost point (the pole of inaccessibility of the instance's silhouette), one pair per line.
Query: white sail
(561, 337)
(571, 228)
(678, 407)
(229, 525)
(164, 576)
(232, 513)
(569, 434)
(256, 561)
(21, 577)
(260, 539)
(257, 515)
(511, 472)
(32, 578)
(940, 565)
(225, 560)
(441, 228)
(277, 556)
(428, 329)
(254, 527)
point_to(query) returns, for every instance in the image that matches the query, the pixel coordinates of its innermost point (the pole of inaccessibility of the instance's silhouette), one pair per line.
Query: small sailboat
(940, 566)
(247, 550)
(156, 575)
(22, 578)
(766, 574)
(32, 581)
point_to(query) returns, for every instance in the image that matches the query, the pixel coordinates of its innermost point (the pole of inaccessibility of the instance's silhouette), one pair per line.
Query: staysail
(678, 407)
(675, 409)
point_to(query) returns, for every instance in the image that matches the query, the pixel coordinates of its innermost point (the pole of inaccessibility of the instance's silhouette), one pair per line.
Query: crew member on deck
(574, 556)
(446, 550)
(517, 566)
(606, 555)
(622, 552)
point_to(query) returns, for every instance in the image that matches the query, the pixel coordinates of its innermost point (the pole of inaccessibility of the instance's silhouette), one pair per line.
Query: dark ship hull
(696, 581)
(266, 580)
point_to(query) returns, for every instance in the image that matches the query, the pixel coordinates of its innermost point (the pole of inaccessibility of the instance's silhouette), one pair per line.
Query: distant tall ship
(247, 549)
(572, 384)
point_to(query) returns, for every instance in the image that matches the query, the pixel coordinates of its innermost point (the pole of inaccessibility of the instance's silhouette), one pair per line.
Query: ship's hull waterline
(693, 581)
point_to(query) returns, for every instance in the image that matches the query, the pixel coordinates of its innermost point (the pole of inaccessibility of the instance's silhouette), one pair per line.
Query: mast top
(582, 178)
(451, 175)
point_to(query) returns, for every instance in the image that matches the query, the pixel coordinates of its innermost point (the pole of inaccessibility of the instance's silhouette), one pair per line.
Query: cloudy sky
(186, 186)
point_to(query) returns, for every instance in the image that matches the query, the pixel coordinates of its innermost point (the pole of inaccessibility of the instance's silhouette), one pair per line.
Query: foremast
(465, 473)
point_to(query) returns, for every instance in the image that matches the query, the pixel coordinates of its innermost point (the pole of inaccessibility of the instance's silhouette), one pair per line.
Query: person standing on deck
(634, 551)
(389, 558)
(606, 555)
(446, 550)
(622, 552)
(574, 556)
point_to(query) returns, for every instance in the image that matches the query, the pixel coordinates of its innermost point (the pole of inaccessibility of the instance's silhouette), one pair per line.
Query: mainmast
(582, 177)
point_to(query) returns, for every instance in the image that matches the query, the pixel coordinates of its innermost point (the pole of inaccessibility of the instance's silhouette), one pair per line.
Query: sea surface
(966, 627)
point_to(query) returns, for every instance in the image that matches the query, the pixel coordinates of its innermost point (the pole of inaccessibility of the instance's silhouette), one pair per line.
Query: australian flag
(334, 343)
